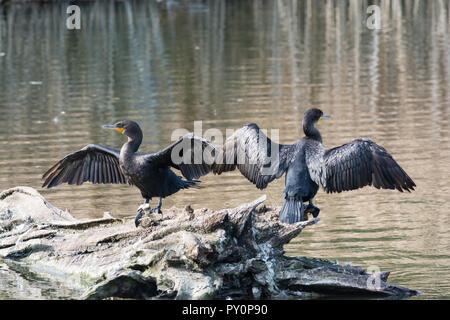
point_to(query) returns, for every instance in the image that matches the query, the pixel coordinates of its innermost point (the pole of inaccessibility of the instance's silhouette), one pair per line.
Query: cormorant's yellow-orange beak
(121, 130)
(324, 116)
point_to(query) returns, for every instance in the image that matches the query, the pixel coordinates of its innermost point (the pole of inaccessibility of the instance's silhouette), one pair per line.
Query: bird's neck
(312, 132)
(132, 145)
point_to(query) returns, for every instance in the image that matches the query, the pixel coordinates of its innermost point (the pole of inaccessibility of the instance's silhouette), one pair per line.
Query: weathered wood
(186, 254)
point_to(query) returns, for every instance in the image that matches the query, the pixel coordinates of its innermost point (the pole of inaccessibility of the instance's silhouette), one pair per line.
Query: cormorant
(150, 173)
(307, 164)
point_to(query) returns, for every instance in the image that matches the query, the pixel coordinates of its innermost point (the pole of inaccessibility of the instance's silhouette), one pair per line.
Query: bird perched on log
(308, 164)
(150, 173)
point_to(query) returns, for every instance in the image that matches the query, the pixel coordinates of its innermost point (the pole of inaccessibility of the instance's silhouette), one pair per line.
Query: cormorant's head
(127, 127)
(314, 115)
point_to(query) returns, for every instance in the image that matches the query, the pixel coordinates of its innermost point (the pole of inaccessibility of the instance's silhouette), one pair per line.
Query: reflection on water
(167, 64)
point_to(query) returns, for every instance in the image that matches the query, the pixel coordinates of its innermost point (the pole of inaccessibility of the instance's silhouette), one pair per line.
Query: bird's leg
(141, 211)
(311, 208)
(158, 209)
(303, 214)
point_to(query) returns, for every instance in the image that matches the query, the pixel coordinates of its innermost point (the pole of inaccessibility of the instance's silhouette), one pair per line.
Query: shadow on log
(186, 254)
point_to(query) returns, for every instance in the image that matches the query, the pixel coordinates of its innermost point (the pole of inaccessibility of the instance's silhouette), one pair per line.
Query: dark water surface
(167, 64)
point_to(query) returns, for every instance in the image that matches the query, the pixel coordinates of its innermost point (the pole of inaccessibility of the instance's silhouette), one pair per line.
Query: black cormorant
(307, 164)
(150, 173)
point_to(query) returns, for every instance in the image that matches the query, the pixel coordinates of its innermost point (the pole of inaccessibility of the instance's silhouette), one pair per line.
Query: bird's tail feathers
(292, 211)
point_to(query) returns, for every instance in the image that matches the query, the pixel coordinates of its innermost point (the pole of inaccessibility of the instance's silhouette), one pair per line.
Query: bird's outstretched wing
(257, 157)
(192, 155)
(93, 163)
(354, 165)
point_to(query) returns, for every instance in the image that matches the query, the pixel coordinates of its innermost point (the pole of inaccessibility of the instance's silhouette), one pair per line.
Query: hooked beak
(112, 126)
(325, 116)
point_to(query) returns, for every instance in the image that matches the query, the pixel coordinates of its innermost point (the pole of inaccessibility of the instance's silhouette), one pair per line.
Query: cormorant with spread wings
(308, 164)
(150, 173)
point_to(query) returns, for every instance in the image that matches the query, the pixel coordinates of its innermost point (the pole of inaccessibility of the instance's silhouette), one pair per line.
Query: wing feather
(192, 155)
(93, 163)
(354, 165)
(257, 157)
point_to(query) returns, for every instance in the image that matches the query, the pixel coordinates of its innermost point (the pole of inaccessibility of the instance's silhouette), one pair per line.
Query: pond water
(167, 64)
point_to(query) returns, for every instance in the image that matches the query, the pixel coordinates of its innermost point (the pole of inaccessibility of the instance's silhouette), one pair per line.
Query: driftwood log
(185, 254)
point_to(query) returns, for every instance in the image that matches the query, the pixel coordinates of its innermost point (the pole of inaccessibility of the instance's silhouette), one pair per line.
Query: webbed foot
(144, 207)
(312, 209)
(138, 217)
